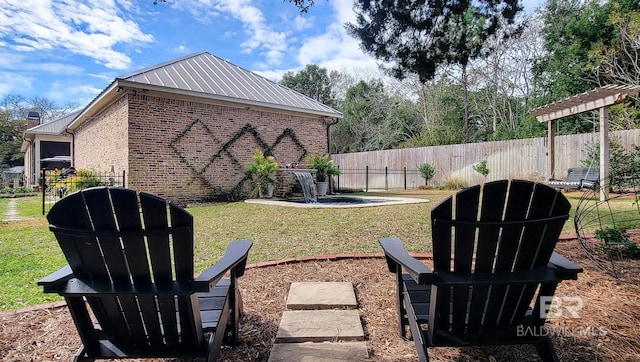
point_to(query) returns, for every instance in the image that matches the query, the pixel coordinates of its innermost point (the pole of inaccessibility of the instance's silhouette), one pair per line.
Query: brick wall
(184, 150)
(101, 142)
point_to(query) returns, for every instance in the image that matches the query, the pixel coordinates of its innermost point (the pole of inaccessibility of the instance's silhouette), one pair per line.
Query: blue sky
(70, 50)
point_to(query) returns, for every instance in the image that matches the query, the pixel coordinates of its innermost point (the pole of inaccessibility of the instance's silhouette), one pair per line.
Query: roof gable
(203, 74)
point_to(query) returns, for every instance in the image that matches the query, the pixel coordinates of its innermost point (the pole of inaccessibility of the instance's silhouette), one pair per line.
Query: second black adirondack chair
(494, 269)
(130, 261)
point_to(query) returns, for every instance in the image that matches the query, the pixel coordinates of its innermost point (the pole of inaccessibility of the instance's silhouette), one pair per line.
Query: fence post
(404, 170)
(338, 177)
(366, 179)
(123, 174)
(43, 185)
(386, 178)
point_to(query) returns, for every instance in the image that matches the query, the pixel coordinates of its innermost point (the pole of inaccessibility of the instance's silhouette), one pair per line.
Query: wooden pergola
(596, 99)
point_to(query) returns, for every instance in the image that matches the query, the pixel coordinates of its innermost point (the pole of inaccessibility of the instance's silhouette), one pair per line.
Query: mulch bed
(606, 330)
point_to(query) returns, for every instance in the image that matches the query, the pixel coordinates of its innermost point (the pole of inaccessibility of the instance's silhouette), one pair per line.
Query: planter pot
(267, 192)
(321, 188)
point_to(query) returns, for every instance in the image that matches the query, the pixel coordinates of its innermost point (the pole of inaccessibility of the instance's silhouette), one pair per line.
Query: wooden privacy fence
(513, 159)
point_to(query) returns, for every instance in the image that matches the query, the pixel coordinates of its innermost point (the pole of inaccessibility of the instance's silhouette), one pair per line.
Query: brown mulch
(606, 330)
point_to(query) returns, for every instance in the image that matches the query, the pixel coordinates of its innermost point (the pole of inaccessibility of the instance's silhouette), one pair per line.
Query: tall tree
(589, 44)
(416, 37)
(366, 107)
(313, 81)
(13, 114)
(11, 140)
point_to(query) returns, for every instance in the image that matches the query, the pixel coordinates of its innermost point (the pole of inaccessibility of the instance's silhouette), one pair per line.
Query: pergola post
(604, 151)
(551, 152)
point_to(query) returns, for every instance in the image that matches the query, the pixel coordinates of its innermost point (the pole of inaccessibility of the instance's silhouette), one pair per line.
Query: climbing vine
(235, 192)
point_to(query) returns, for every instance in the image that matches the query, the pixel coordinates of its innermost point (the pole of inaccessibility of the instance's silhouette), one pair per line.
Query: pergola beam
(597, 99)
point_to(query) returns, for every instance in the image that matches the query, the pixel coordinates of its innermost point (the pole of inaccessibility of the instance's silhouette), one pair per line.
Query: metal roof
(203, 74)
(53, 127)
(588, 101)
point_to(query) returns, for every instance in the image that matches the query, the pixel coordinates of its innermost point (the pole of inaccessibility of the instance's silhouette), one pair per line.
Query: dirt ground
(606, 328)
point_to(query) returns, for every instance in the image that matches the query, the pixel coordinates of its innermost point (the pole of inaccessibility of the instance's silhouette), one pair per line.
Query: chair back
(500, 228)
(136, 250)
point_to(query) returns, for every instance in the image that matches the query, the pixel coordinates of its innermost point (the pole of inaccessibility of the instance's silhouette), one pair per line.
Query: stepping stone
(319, 352)
(321, 295)
(320, 326)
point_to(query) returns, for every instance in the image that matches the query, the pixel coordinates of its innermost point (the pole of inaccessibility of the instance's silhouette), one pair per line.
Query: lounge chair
(130, 265)
(493, 256)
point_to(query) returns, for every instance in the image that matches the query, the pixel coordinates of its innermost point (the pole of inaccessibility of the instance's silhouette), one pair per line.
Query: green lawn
(28, 251)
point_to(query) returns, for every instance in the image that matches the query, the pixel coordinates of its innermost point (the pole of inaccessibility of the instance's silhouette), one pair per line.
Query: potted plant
(324, 168)
(262, 169)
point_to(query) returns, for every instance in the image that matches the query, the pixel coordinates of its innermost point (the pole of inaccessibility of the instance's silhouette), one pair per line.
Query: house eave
(239, 102)
(103, 99)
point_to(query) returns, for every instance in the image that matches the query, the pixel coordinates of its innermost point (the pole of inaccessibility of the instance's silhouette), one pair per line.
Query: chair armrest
(564, 265)
(235, 258)
(52, 281)
(396, 255)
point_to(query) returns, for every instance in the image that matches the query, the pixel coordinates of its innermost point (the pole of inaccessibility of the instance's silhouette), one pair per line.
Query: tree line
(453, 72)
(475, 73)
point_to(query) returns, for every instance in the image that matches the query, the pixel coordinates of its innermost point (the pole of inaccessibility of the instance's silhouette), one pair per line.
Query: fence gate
(57, 184)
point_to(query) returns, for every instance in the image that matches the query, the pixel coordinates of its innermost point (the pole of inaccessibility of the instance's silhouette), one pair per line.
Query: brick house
(46, 146)
(187, 128)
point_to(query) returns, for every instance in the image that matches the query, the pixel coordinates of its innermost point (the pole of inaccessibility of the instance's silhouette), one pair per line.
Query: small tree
(481, 168)
(427, 172)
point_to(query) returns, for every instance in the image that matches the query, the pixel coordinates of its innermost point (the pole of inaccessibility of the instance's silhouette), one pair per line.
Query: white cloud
(271, 44)
(335, 49)
(303, 22)
(181, 49)
(90, 28)
(64, 92)
(14, 83)
(29, 63)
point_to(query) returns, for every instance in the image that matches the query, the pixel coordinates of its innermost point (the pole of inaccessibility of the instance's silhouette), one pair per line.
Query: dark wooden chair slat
(493, 259)
(154, 215)
(183, 243)
(493, 202)
(125, 206)
(131, 258)
(464, 241)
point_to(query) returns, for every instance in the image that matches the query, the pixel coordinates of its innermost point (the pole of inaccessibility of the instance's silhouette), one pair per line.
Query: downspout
(329, 134)
(329, 147)
(73, 146)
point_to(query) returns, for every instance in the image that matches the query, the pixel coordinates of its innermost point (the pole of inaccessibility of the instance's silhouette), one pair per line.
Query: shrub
(481, 168)
(427, 172)
(262, 169)
(324, 167)
(613, 242)
(624, 165)
(455, 183)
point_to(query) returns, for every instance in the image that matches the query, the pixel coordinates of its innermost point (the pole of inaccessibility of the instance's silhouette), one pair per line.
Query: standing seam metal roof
(205, 73)
(53, 127)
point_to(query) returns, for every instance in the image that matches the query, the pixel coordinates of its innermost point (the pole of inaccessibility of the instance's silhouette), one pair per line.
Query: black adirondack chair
(130, 261)
(494, 269)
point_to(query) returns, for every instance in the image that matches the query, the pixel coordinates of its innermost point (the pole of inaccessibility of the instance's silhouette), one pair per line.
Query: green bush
(481, 168)
(455, 183)
(624, 166)
(614, 242)
(427, 172)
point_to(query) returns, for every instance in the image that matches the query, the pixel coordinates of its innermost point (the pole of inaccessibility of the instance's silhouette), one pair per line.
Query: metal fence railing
(57, 184)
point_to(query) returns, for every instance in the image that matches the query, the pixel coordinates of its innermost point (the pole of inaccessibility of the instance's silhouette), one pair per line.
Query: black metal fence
(377, 178)
(57, 184)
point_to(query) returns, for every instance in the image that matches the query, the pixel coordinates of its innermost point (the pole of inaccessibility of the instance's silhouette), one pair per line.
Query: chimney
(33, 119)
